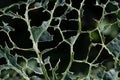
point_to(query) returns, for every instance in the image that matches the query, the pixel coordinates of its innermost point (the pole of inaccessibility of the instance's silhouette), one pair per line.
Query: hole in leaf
(38, 16)
(72, 15)
(93, 53)
(56, 39)
(21, 11)
(79, 68)
(4, 39)
(81, 47)
(20, 36)
(69, 34)
(111, 7)
(54, 22)
(21, 62)
(59, 11)
(26, 54)
(119, 74)
(111, 18)
(103, 1)
(51, 4)
(69, 25)
(76, 3)
(62, 53)
(104, 56)
(2, 61)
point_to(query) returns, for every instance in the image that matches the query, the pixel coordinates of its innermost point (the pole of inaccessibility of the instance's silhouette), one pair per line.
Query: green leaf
(38, 31)
(114, 46)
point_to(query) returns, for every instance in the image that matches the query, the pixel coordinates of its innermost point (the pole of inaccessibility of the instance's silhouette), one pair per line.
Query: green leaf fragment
(5, 66)
(100, 74)
(60, 2)
(1, 52)
(57, 65)
(114, 46)
(30, 1)
(46, 50)
(81, 12)
(35, 78)
(70, 76)
(6, 27)
(46, 37)
(47, 60)
(37, 5)
(12, 60)
(10, 13)
(45, 3)
(36, 31)
(71, 39)
(38, 70)
(45, 24)
(110, 75)
(40, 33)
(33, 64)
(114, 3)
(94, 36)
